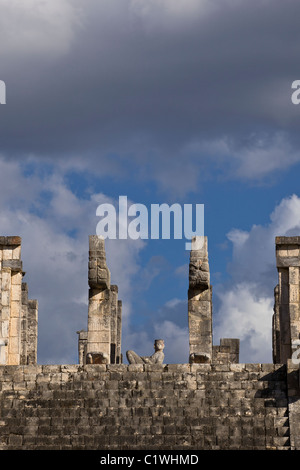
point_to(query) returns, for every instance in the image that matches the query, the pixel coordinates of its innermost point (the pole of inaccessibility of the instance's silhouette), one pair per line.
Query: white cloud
(246, 315)
(37, 26)
(254, 252)
(253, 159)
(167, 13)
(55, 254)
(245, 305)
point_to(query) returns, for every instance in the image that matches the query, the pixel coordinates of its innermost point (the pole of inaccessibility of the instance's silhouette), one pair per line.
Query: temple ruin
(101, 343)
(211, 402)
(18, 314)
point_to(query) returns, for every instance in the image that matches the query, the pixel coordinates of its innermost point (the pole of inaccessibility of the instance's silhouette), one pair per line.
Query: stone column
(32, 331)
(287, 302)
(14, 345)
(99, 313)
(276, 328)
(24, 324)
(82, 342)
(5, 312)
(11, 299)
(15, 337)
(114, 324)
(199, 303)
(119, 333)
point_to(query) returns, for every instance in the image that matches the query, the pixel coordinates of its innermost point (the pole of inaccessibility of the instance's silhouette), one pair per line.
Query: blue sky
(183, 102)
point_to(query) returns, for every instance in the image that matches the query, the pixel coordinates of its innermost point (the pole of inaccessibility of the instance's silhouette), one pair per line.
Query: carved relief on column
(288, 264)
(199, 303)
(99, 314)
(114, 324)
(119, 333)
(32, 331)
(276, 327)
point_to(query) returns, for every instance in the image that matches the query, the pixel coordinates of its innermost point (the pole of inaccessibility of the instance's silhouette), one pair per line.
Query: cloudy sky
(164, 101)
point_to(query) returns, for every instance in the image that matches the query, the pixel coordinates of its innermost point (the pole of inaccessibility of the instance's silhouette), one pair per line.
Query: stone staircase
(160, 407)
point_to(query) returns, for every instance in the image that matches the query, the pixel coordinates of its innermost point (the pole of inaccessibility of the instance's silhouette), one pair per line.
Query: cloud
(157, 88)
(245, 302)
(254, 159)
(169, 14)
(36, 27)
(163, 95)
(253, 257)
(54, 225)
(246, 315)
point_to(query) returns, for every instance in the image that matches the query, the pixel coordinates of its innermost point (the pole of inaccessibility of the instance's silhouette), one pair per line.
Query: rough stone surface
(211, 403)
(286, 318)
(199, 303)
(105, 310)
(18, 314)
(175, 406)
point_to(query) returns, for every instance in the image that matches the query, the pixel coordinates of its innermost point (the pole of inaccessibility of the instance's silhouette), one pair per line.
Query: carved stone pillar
(16, 337)
(199, 303)
(287, 302)
(99, 313)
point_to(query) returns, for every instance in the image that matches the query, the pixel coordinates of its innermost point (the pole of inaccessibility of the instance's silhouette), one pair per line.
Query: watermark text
(2, 92)
(163, 221)
(296, 94)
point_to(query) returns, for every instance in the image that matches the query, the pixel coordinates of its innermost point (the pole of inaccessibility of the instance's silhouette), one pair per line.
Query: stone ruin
(101, 342)
(18, 314)
(210, 402)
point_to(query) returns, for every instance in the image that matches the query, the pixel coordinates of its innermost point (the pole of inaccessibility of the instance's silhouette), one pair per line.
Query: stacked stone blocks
(286, 322)
(18, 314)
(200, 312)
(118, 407)
(101, 342)
(212, 402)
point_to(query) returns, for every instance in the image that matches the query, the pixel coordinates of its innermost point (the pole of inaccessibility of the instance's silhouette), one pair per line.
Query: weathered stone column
(5, 312)
(24, 324)
(32, 331)
(199, 303)
(82, 342)
(287, 302)
(17, 336)
(119, 333)
(114, 324)
(99, 314)
(276, 328)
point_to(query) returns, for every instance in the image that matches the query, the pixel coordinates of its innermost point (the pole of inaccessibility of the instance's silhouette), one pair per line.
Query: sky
(162, 101)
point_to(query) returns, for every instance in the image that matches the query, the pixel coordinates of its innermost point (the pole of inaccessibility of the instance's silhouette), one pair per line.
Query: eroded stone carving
(199, 358)
(286, 317)
(18, 313)
(156, 358)
(97, 358)
(199, 303)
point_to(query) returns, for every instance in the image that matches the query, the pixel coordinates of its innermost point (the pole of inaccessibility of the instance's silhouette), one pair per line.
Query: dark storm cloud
(147, 86)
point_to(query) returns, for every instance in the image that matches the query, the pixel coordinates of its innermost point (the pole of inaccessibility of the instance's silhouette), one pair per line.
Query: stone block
(14, 329)
(15, 309)
(293, 293)
(8, 262)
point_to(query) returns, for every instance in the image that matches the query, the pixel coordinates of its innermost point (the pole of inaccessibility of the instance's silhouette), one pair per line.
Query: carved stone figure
(97, 358)
(156, 358)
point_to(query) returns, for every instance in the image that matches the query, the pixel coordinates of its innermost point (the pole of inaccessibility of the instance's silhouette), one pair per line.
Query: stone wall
(175, 406)
(18, 314)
